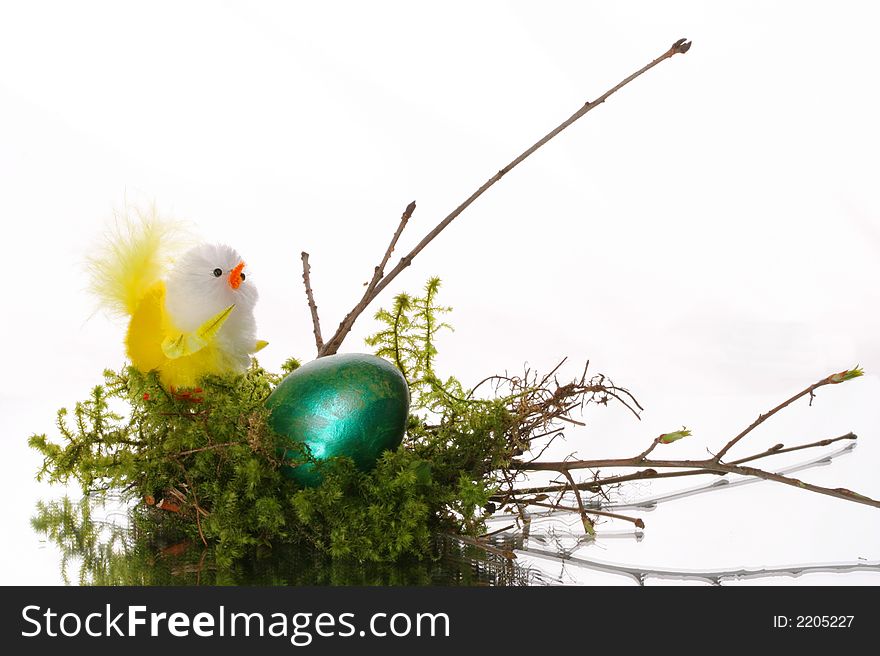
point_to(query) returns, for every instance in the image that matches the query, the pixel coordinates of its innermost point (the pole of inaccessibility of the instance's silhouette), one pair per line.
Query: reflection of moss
(109, 553)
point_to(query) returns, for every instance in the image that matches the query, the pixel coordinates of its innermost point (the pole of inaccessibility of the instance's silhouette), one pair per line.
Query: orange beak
(235, 276)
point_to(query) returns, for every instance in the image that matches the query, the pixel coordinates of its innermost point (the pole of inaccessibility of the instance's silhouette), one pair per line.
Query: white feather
(194, 294)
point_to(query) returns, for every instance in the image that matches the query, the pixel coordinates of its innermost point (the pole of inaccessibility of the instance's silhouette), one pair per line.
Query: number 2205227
(813, 621)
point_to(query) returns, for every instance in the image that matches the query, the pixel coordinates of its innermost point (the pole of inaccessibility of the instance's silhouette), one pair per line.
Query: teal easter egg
(350, 404)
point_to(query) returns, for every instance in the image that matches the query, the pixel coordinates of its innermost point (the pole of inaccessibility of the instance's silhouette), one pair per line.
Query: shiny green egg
(350, 404)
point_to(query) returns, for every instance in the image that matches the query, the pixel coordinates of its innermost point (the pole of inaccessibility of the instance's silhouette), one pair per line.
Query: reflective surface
(98, 544)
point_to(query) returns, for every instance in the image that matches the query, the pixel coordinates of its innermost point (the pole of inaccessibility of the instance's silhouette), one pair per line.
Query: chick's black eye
(218, 273)
(243, 277)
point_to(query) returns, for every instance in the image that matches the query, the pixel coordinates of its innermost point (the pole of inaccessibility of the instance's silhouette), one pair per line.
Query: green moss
(206, 467)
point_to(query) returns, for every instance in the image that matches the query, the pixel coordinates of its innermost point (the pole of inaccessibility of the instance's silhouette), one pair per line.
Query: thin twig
(762, 418)
(585, 520)
(369, 293)
(379, 272)
(644, 454)
(316, 323)
(210, 447)
(679, 47)
(778, 448)
(197, 507)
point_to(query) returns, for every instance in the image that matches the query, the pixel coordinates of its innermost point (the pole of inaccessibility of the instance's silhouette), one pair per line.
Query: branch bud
(846, 375)
(681, 46)
(669, 438)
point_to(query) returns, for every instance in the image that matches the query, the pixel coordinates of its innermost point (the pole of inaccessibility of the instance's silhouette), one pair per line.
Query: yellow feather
(179, 345)
(128, 273)
(143, 342)
(133, 258)
(149, 326)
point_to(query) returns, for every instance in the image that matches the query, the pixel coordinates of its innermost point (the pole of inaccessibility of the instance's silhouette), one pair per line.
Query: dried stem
(373, 290)
(316, 323)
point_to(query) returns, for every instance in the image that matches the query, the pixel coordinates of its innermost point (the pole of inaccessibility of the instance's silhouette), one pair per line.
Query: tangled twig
(648, 467)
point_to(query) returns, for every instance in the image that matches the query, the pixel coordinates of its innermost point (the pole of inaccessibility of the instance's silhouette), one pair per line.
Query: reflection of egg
(353, 405)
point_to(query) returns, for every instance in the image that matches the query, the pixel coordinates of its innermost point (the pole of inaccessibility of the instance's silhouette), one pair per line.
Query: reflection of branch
(316, 324)
(484, 545)
(555, 506)
(382, 281)
(640, 574)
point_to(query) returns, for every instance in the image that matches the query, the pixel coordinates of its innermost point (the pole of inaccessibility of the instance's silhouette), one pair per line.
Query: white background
(709, 237)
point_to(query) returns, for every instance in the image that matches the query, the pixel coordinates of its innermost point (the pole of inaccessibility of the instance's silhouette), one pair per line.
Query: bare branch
(379, 273)
(829, 380)
(779, 448)
(316, 324)
(644, 454)
(679, 47)
(369, 294)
